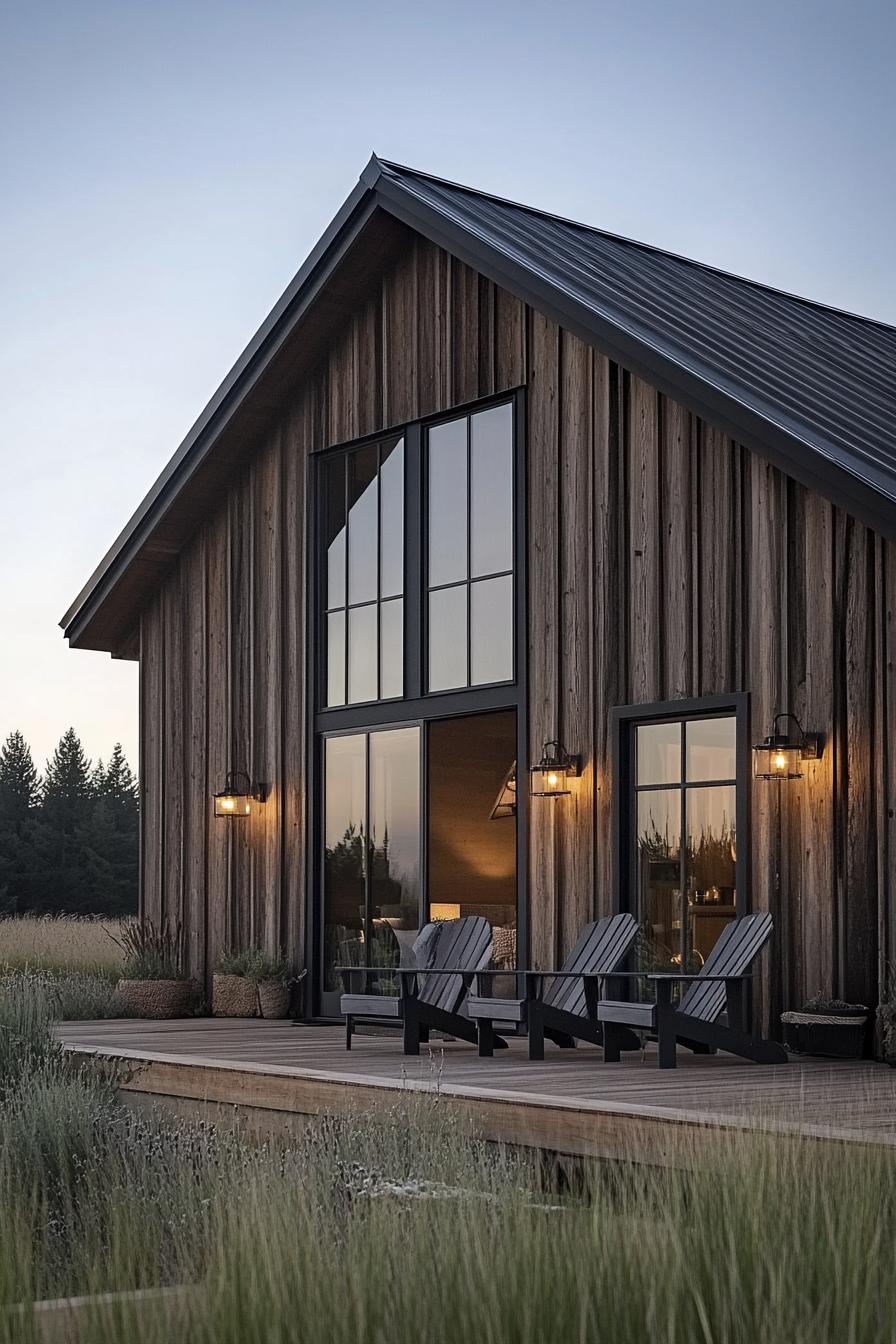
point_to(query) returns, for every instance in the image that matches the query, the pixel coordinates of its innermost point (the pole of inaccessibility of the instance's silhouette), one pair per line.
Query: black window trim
(417, 706)
(623, 720)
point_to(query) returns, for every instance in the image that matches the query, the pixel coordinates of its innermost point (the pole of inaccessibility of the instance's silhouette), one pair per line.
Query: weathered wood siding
(664, 561)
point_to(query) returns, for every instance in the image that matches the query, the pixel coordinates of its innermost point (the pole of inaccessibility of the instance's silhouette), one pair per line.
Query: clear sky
(167, 166)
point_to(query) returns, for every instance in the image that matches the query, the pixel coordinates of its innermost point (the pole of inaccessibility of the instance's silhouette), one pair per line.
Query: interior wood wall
(664, 561)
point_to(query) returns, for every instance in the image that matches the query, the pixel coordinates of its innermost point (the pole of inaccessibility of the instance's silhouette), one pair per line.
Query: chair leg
(485, 1037)
(411, 1031)
(536, 1033)
(349, 1028)
(612, 1048)
(666, 1042)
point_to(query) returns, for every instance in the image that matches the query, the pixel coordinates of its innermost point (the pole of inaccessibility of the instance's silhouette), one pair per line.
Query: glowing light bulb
(553, 779)
(227, 804)
(780, 760)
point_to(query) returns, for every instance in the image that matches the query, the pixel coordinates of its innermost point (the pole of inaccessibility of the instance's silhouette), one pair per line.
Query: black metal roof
(808, 386)
(811, 384)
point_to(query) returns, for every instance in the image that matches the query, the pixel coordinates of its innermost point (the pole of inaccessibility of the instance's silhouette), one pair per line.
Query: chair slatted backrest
(465, 943)
(602, 946)
(734, 953)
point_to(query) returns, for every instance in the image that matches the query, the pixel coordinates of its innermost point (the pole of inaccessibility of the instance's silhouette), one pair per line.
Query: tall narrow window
(684, 810)
(470, 580)
(364, 579)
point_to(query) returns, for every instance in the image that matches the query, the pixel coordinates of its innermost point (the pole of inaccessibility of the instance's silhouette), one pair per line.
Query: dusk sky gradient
(166, 167)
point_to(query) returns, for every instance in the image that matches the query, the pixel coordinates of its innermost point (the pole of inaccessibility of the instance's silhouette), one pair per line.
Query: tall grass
(403, 1228)
(87, 943)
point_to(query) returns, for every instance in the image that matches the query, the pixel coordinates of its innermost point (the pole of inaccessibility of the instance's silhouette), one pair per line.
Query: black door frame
(418, 707)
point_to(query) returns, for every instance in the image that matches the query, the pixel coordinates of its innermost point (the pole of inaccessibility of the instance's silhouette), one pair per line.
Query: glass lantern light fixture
(549, 777)
(781, 754)
(238, 794)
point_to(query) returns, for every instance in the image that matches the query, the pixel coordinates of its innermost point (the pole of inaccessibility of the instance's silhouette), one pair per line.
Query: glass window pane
(362, 654)
(392, 520)
(659, 753)
(491, 490)
(491, 630)
(392, 649)
(334, 502)
(658, 876)
(447, 515)
(345, 831)
(710, 748)
(336, 658)
(448, 638)
(711, 866)
(362, 525)
(395, 836)
(471, 854)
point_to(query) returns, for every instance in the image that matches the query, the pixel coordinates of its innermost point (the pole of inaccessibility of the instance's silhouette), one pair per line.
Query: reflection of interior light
(443, 910)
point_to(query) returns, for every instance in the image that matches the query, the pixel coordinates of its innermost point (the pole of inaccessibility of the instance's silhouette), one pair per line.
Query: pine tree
(19, 793)
(62, 877)
(110, 837)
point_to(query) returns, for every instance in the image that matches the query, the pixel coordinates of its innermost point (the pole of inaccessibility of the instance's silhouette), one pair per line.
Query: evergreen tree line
(68, 840)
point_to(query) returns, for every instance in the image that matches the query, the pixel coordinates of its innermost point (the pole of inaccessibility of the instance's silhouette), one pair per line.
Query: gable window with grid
(417, 583)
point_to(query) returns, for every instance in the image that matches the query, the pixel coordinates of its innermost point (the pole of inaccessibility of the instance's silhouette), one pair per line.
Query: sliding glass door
(372, 851)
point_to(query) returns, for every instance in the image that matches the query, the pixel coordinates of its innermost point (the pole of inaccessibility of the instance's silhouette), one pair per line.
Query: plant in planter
(250, 983)
(826, 1026)
(152, 983)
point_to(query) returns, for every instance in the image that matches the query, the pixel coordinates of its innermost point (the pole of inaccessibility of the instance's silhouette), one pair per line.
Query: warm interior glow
(553, 779)
(227, 804)
(780, 760)
(444, 910)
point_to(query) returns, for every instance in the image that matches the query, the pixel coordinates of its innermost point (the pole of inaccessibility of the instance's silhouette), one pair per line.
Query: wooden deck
(570, 1103)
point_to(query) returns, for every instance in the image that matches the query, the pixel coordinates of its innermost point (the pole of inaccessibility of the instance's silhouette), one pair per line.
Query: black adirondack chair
(431, 996)
(719, 986)
(568, 1010)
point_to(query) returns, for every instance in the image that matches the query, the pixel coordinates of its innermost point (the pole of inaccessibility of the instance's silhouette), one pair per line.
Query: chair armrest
(681, 975)
(368, 970)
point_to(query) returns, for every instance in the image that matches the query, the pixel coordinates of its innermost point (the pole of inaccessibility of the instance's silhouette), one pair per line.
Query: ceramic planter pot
(234, 996)
(273, 998)
(157, 998)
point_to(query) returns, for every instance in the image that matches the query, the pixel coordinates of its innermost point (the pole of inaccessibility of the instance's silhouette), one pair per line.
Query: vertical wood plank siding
(665, 561)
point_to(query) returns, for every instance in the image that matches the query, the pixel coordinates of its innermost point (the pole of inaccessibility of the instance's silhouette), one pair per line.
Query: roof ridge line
(389, 165)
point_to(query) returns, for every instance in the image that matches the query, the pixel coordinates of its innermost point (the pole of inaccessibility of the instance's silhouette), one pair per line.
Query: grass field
(61, 942)
(404, 1229)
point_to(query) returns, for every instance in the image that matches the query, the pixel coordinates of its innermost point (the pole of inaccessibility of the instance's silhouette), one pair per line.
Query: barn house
(520, 569)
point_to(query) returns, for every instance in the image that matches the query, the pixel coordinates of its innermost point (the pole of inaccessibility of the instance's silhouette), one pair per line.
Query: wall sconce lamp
(550, 777)
(780, 755)
(238, 794)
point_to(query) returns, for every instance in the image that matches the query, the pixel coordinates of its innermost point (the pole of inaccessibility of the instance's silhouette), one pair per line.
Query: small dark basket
(834, 1040)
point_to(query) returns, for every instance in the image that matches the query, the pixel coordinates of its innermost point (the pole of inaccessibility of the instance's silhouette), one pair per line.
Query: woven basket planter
(836, 1035)
(234, 996)
(273, 998)
(157, 998)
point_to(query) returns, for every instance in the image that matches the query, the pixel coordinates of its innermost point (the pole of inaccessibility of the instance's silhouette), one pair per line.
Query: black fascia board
(289, 309)
(812, 465)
